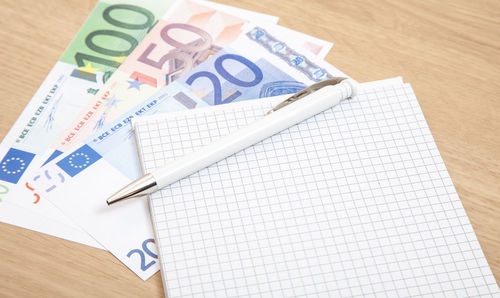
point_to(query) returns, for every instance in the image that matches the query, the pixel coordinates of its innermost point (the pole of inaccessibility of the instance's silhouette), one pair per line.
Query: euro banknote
(260, 63)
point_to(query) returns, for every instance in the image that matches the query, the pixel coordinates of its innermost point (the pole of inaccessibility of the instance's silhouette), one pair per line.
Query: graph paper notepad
(354, 201)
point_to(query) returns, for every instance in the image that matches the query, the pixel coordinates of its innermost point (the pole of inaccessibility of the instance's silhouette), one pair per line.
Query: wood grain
(448, 50)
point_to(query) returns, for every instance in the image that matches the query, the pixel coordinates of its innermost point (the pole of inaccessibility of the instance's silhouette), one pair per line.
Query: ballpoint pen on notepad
(300, 106)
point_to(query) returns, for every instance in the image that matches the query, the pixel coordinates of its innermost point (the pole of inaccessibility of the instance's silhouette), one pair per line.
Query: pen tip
(115, 198)
(139, 187)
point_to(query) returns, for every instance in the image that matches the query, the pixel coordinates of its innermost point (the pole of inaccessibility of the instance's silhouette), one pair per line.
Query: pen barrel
(259, 130)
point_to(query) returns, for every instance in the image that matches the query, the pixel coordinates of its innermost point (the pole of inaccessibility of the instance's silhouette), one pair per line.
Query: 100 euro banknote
(260, 63)
(112, 30)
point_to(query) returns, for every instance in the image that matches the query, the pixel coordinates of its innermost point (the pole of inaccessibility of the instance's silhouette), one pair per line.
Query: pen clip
(306, 91)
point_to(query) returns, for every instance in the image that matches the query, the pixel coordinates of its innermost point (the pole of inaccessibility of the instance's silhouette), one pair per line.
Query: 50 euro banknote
(260, 63)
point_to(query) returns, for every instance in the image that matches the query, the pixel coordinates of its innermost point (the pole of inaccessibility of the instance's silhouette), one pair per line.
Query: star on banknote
(88, 68)
(135, 84)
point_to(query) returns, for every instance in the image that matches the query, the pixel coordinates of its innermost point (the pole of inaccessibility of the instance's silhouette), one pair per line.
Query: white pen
(299, 107)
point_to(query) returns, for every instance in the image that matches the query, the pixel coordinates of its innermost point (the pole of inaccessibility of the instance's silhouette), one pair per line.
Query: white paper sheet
(354, 201)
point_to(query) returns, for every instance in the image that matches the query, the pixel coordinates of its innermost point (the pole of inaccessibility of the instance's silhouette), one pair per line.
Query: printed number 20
(228, 77)
(145, 248)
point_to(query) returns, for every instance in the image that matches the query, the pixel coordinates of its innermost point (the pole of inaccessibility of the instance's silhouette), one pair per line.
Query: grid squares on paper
(354, 201)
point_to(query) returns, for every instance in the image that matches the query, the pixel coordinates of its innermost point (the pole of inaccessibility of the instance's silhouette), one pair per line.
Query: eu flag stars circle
(13, 165)
(79, 160)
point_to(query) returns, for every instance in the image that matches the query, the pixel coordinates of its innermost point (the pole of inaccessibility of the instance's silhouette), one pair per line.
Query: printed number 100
(89, 40)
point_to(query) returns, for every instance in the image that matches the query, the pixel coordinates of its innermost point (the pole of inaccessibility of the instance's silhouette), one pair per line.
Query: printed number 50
(145, 249)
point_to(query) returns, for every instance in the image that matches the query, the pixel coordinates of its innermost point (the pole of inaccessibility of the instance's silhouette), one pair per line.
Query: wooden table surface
(448, 50)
